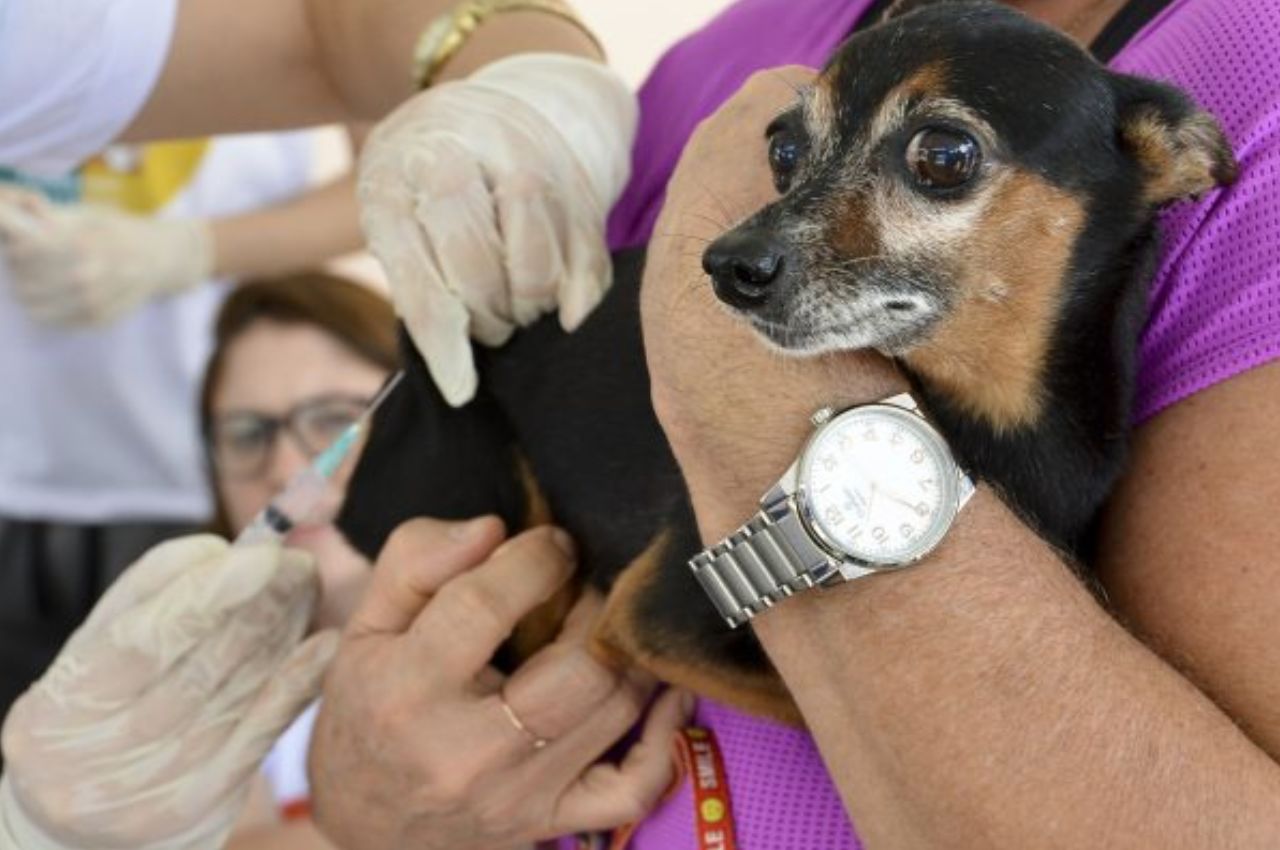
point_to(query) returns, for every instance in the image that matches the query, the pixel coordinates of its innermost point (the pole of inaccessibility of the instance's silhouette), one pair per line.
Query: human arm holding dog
(983, 698)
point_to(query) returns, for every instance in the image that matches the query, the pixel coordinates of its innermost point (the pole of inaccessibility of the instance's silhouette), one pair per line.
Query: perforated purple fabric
(1215, 302)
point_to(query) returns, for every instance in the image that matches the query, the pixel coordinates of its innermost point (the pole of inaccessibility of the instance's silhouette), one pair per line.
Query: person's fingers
(533, 228)
(271, 621)
(20, 222)
(581, 618)
(420, 556)
(155, 570)
(589, 277)
(471, 615)
(607, 796)
(455, 210)
(146, 639)
(294, 686)
(536, 691)
(437, 320)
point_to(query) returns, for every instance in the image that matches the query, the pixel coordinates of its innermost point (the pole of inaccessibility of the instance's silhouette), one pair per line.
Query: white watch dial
(878, 484)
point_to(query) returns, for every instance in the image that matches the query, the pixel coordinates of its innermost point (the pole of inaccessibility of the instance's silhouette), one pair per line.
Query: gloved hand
(145, 732)
(486, 198)
(89, 265)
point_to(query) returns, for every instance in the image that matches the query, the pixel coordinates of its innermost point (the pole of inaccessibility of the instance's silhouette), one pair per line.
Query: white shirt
(285, 767)
(74, 73)
(100, 425)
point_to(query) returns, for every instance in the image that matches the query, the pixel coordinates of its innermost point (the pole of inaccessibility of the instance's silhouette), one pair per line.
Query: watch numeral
(896, 437)
(926, 484)
(879, 534)
(917, 456)
(923, 509)
(870, 434)
(833, 515)
(828, 462)
(907, 530)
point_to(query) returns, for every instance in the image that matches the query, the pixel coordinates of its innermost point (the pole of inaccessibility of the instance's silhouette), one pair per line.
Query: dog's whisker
(724, 210)
(799, 90)
(715, 222)
(672, 234)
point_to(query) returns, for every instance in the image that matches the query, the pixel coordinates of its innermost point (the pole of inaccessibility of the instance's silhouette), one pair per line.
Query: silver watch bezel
(849, 564)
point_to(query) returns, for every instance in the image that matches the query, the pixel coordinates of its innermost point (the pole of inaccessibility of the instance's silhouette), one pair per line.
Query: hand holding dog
(735, 411)
(414, 746)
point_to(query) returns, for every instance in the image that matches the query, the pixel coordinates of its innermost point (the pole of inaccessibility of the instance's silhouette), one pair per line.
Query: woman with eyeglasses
(149, 729)
(296, 360)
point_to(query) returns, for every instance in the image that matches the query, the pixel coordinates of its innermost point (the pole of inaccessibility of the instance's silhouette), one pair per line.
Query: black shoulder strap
(1123, 26)
(872, 15)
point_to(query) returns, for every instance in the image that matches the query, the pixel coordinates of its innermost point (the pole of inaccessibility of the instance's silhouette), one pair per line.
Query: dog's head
(945, 182)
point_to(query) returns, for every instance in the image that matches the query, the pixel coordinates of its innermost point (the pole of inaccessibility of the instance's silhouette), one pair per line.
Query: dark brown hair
(354, 315)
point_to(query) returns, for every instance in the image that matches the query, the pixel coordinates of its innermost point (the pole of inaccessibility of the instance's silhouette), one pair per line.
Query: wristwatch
(875, 489)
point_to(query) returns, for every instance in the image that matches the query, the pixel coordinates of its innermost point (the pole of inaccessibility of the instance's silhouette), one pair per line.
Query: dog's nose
(742, 265)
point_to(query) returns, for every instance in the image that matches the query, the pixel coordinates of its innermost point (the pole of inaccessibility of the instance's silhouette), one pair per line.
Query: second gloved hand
(485, 200)
(146, 731)
(83, 264)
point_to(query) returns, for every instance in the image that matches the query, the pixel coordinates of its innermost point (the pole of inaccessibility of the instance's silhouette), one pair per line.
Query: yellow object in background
(142, 179)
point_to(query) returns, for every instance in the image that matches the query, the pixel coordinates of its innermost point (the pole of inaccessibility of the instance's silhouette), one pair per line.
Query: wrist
(988, 558)
(730, 461)
(495, 35)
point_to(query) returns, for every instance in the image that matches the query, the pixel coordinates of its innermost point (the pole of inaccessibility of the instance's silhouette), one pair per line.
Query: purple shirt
(1215, 300)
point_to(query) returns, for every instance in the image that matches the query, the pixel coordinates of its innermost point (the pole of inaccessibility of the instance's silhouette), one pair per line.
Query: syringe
(306, 490)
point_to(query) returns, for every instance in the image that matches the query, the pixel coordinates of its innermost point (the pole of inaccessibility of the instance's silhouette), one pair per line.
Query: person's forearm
(984, 699)
(300, 234)
(366, 47)
(297, 63)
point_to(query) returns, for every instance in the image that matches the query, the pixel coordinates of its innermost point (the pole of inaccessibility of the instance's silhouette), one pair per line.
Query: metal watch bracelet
(762, 562)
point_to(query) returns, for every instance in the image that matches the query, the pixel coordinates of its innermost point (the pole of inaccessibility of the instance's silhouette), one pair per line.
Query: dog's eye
(943, 159)
(785, 153)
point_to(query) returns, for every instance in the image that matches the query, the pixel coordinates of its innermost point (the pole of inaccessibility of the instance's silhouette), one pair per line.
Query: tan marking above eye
(927, 82)
(988, 355)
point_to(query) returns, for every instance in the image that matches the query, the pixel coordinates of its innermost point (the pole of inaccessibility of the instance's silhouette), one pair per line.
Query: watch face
(878, 484)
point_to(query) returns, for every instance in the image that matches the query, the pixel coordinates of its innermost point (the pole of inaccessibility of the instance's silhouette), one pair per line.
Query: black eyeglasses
(241, 441)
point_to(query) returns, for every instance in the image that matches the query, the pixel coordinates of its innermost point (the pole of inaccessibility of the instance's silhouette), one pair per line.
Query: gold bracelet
(444, 37)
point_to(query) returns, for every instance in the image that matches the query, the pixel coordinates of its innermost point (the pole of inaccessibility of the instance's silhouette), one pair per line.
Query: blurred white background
(636, 32)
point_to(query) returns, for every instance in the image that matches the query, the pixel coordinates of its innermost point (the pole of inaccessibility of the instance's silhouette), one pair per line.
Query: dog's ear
(1181, 149)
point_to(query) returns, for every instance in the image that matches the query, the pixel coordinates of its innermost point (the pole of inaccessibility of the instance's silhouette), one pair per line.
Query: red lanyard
(698, 758)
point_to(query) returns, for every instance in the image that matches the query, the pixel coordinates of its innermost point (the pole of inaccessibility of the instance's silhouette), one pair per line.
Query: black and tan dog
(964, 190)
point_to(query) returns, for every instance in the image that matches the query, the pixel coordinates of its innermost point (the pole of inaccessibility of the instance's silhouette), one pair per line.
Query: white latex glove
(88, 265)
(486, 198)
(146, 731)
